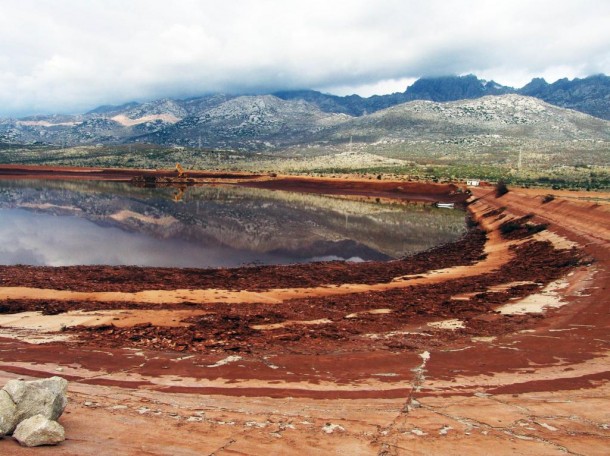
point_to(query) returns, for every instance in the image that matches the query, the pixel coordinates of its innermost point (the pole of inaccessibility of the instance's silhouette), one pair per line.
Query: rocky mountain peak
(534, 86)
(451, 88)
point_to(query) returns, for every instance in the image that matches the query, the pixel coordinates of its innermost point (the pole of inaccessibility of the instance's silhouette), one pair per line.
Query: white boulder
(8, 412)
(39, 430)
(45, 397)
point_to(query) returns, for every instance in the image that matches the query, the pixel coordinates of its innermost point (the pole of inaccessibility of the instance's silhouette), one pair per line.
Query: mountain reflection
(68, 223)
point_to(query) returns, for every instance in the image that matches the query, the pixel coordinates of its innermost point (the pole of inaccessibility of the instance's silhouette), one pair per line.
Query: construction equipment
(180, 169)
(179, 194)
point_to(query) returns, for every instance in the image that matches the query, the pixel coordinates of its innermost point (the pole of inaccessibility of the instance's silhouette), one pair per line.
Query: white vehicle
(445, 205)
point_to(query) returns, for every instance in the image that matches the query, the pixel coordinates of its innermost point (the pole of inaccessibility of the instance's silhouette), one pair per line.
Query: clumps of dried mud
(521, 228)
(346, 320)
(133, 279)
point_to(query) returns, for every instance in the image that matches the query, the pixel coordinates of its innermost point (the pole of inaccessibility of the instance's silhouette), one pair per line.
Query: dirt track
(427, 358)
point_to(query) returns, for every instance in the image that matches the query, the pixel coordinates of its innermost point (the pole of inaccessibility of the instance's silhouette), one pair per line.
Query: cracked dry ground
(447, 352)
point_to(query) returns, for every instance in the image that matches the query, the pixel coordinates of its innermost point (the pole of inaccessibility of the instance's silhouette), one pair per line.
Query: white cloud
(366, 90)
(44, 239)
(70, 55)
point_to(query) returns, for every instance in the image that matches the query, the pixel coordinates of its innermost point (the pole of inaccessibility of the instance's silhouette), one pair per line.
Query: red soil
(390, 358)
(105, 174)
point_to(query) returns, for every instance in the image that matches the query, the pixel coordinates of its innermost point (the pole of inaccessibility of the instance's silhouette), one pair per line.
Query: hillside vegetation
(512, 137)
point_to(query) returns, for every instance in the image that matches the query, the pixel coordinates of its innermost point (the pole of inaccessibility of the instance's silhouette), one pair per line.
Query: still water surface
(59, 223)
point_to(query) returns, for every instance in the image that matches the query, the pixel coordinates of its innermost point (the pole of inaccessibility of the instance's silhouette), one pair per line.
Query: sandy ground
(510, 355)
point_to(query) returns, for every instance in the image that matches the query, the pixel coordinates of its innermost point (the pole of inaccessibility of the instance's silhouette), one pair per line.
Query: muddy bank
(382, 189)
(319, 325)
(397, 190)
(133, 279)
(109, 174)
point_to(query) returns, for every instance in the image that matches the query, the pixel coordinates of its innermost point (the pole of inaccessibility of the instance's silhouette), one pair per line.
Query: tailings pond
(60, 223)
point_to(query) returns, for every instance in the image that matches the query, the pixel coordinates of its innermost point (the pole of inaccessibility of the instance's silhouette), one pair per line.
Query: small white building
(473, 182)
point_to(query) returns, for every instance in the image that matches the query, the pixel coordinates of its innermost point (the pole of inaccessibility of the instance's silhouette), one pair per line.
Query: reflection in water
(179, 194)
(68, 223)
(43, 239)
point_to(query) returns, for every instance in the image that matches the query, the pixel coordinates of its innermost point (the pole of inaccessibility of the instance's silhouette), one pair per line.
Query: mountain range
(590, 95)
(437, 110)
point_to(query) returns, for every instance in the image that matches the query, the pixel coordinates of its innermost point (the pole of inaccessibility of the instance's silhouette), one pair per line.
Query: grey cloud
(69, 55)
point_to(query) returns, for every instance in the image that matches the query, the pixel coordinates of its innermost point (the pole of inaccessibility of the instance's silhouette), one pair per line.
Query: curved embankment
(417, 364)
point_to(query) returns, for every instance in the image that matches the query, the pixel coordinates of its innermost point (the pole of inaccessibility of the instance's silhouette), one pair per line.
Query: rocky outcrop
(37, 431)
(453, 88)
(29, 410)
(590, 95)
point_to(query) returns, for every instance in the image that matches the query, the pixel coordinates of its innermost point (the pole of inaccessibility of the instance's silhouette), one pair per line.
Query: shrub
(471, 223)
(501, 188)
(548, 198)
(509, 227)
(533, 228)
(521, 227)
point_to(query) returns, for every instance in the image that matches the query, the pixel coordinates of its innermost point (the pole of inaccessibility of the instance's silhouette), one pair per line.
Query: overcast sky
(72, 55)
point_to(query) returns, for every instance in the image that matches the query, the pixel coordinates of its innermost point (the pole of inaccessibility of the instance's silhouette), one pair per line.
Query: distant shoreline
(393, 189)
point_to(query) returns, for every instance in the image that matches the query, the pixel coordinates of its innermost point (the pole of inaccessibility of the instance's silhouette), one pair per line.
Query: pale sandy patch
(507, 286)
(493, 289)
(32, 336)
(451, 324)
(127, 122)
(483, 339)
(225, 361)
(549, 297)
(119, 318)
(271, 326)
(369, 312)
(559, 242)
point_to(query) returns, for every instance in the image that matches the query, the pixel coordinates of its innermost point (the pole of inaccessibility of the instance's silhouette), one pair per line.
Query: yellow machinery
(179, 194)
(180, 169)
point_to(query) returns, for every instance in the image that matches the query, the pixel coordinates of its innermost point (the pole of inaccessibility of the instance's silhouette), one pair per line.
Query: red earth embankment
(450, 350)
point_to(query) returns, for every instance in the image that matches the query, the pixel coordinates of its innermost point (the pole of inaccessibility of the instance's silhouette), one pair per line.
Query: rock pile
(29, 411)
